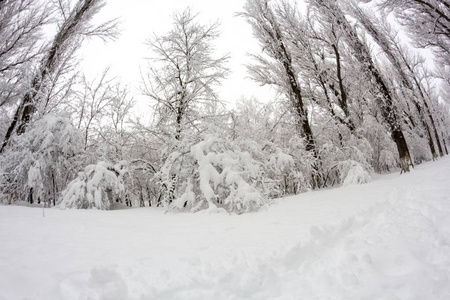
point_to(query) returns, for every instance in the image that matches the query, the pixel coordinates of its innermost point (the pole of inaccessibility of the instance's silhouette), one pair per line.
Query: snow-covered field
(389, 239)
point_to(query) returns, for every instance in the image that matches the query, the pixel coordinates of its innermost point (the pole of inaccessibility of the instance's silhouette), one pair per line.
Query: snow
(387, 239)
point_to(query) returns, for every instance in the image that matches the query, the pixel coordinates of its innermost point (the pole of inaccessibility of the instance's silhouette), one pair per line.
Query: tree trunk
(54, 189)
(402, 148)
(30, 196)
(445, 144)
(431, 143)
(433, 124)
(343, 103)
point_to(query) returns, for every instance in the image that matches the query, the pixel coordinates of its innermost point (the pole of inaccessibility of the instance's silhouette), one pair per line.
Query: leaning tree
(277, 68)
(75, 26)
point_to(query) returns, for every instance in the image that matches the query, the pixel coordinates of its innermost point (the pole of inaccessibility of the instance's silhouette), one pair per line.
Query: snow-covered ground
(389, 239)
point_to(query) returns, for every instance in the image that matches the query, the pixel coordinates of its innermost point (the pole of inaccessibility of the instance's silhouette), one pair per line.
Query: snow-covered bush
(270, 136)
(213, 175)
(281, 173)
(307, 173)
(97, 186)
(384, 154)
(355, 173)
(38, 164)
(419, 148)
(347, 163)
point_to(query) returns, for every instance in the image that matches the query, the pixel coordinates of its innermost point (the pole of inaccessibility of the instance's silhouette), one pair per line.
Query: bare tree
(115, 133)
(91, 103)
(184, 72)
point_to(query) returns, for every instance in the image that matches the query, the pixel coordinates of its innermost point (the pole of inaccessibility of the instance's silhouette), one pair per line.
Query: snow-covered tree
(413, 101)
(426, 21)
(267, 132)
(90, 103)
(181, 83)
(75, 24)
(40, 162)
(114, 133)
(183, 73)
(318, 51)
(21, 25)
(278, 68)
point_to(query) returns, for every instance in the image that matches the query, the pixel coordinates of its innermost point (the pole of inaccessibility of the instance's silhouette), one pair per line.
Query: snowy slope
(389, 239)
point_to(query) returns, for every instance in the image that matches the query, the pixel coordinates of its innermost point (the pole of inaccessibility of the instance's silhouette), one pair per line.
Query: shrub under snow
(348, 162)
(96, 187)
(356, 173)
(214, 175)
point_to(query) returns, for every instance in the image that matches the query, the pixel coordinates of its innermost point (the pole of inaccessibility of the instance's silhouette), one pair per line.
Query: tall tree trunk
(55, 189)
(390, 117)
(30, 196)
(343, 103)
(433, 124)
(445, 144)
(431, 143)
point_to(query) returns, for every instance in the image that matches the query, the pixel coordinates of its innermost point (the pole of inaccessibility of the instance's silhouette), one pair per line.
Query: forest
(363, 87)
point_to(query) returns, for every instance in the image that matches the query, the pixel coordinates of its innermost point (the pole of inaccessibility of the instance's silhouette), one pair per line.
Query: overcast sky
(141, 18)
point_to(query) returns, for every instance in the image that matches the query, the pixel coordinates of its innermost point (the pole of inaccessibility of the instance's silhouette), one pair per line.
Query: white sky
(141, 18)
